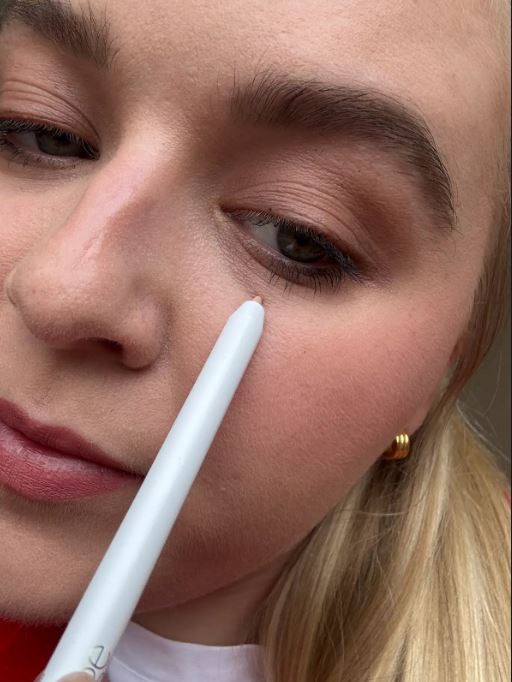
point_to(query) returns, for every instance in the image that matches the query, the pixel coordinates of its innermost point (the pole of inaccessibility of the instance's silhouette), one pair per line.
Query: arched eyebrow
(84, 33)
(357, 113)
(353, 111)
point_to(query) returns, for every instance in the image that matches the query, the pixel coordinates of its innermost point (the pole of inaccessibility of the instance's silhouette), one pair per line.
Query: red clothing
(25, 650)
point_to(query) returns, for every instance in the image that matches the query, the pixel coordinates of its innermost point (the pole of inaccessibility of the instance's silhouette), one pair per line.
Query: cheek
(318, 409)
(323, 398)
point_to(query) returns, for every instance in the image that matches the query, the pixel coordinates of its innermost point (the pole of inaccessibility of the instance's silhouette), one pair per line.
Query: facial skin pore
(139, 248)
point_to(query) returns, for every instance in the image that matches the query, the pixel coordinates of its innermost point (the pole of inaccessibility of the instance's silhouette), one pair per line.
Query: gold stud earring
(399, 448)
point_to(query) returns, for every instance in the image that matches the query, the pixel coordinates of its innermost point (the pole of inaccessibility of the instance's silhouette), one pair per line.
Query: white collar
(151, 657)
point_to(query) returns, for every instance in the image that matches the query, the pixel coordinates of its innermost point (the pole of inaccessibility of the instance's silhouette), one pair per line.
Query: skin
(135, 249)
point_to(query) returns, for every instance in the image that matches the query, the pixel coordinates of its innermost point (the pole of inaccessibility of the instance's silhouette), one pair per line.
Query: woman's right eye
(41, 144)
(53, 144)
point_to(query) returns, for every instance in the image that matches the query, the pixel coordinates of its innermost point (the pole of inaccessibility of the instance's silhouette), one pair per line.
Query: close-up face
(314, 153)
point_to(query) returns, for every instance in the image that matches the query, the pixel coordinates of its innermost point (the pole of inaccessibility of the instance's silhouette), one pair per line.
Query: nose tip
(76, 315)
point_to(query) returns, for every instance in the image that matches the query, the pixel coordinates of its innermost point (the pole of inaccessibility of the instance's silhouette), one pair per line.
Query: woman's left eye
(297, 252)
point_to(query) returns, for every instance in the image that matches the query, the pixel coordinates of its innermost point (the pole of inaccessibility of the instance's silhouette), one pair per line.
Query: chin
(51, 604)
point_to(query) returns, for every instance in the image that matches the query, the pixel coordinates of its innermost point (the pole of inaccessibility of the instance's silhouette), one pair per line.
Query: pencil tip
(258, 299)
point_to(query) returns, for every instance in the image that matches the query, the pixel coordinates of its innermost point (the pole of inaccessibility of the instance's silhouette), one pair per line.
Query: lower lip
(40, 473)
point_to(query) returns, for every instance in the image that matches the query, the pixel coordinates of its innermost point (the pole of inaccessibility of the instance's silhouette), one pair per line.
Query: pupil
(298, 246)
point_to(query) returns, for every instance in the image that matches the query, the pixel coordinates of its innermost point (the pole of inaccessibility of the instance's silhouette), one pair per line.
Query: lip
(53, 463)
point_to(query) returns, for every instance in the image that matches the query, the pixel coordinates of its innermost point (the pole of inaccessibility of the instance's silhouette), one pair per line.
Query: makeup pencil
(111, 597)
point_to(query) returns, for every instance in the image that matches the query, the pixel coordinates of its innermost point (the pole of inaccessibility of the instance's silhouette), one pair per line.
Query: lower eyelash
(293, 273)
(14, 153)
(18, 155)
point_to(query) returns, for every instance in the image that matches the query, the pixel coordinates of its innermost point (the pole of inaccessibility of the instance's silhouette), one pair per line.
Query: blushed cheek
(317, 412)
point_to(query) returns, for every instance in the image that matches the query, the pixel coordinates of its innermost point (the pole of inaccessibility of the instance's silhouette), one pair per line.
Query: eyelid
(77, 124)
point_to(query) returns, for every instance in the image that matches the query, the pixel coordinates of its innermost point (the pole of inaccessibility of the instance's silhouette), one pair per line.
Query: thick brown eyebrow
(85, 34)
(354, 112)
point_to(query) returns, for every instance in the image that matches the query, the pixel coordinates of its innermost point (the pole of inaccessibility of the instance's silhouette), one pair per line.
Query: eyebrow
(355, 112)
(85, 33)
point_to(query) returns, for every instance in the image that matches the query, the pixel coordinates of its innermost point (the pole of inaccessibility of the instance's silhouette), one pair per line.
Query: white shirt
(142, 656)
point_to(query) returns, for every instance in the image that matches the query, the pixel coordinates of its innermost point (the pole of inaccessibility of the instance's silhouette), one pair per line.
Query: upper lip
(58, 438)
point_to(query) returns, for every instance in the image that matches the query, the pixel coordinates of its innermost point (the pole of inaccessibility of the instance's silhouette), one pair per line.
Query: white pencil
(109, 601)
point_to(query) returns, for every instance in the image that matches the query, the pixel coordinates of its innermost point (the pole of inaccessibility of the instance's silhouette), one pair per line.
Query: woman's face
(121, 259)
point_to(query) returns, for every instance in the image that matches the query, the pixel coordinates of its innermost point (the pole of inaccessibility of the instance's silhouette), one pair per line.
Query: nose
(83, 285)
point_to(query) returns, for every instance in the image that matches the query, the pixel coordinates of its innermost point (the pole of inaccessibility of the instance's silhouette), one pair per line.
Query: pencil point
(258, 299)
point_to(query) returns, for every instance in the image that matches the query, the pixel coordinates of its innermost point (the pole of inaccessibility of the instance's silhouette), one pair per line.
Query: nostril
(108, 343)
(8, 289)
(105, 343)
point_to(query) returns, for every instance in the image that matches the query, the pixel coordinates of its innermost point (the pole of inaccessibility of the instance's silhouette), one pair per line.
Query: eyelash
(343, 266)
(24, 157)
(291, 272)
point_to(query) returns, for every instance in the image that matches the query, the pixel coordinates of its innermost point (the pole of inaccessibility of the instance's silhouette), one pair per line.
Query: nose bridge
(130, 197)
(84, 280)
(109, 214)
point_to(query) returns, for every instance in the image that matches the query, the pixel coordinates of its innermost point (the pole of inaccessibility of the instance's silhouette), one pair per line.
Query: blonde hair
(408, 578)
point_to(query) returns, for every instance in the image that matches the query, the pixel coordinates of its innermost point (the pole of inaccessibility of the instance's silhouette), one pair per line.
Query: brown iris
(298, 246)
